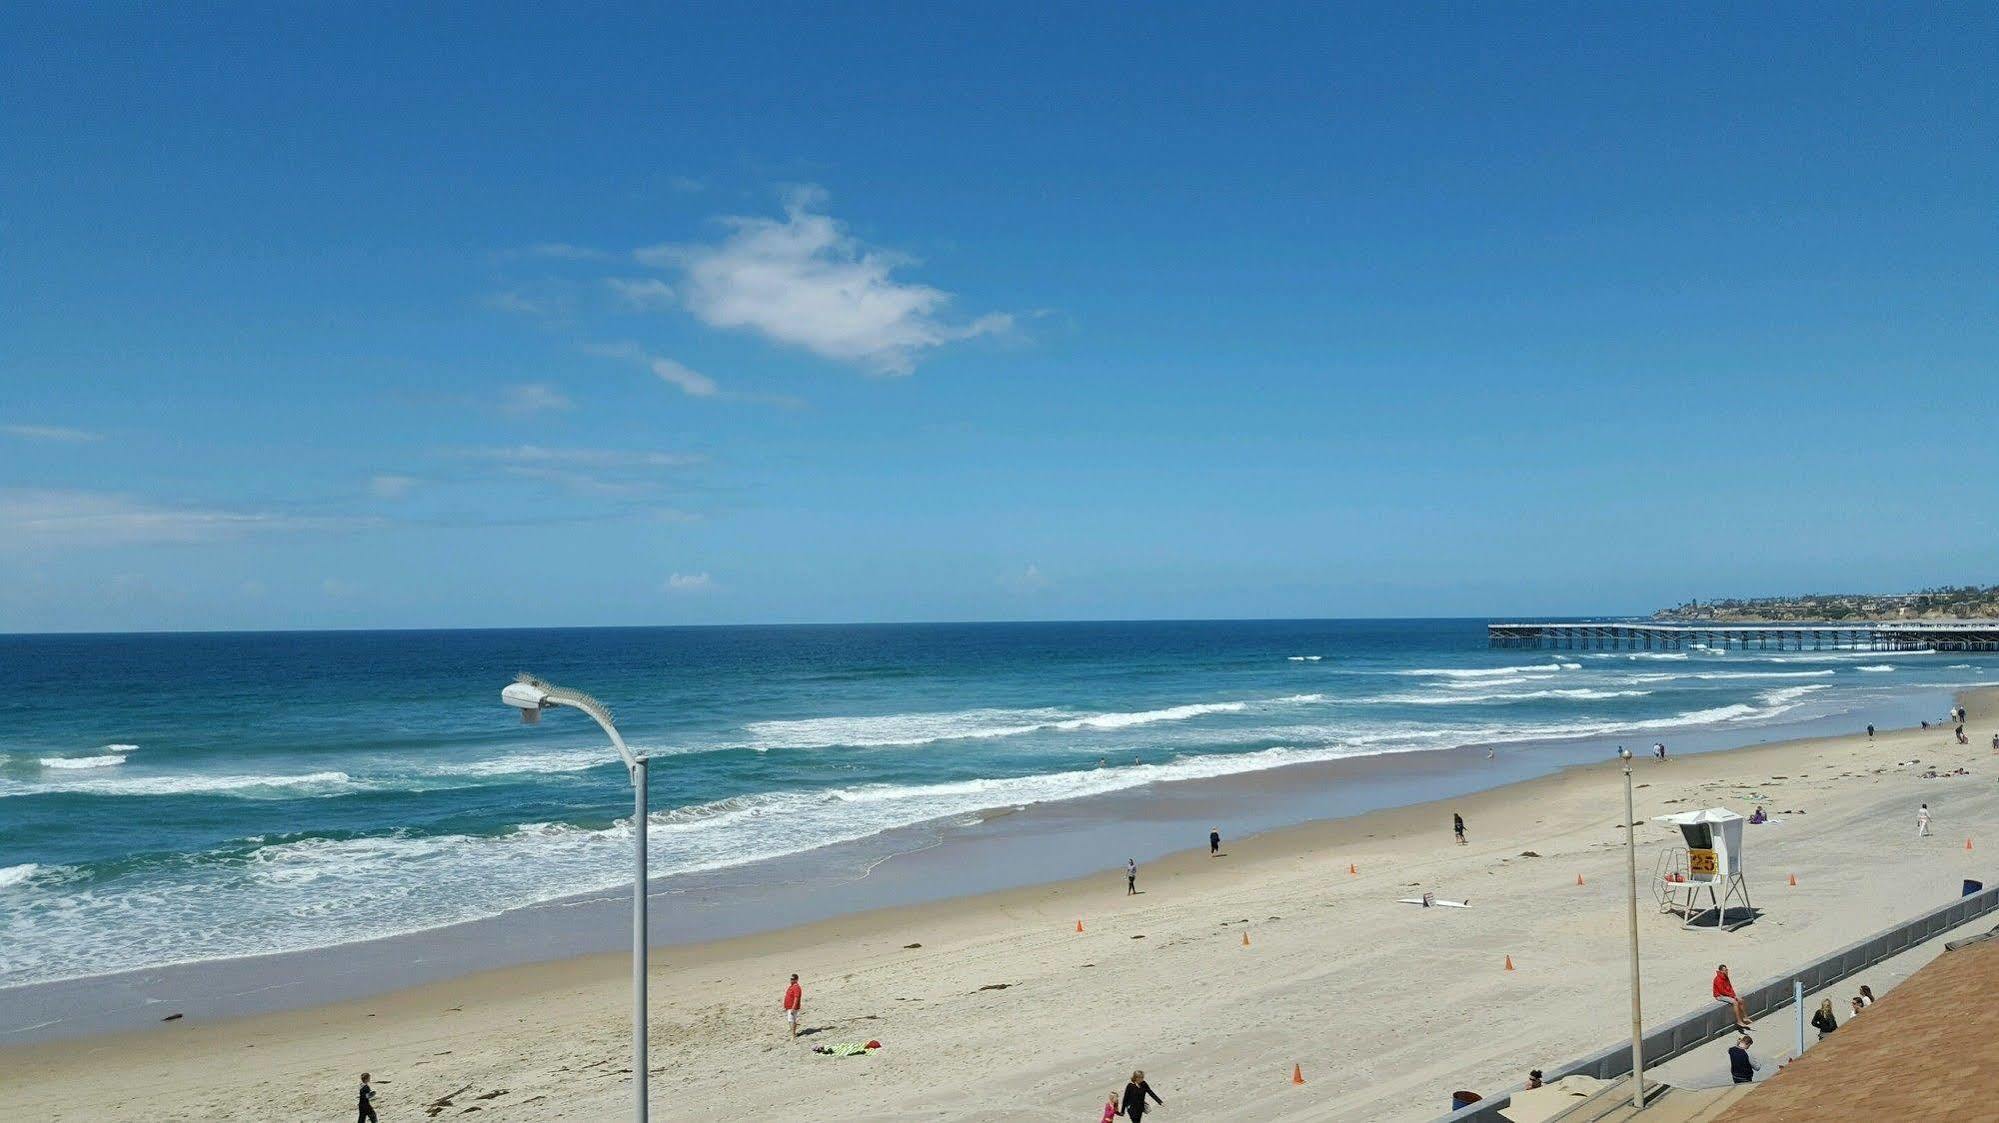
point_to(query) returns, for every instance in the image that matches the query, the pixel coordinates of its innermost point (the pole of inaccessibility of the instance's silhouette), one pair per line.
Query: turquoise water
(182, 797)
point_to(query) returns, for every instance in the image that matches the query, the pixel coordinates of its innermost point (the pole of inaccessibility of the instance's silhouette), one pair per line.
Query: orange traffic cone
(1967, 842)
(1509, 963)
(1297, 1074)
(1352, 869)
(1245, 937)
(1079, 926)
(1579, 879)
(1794, 879)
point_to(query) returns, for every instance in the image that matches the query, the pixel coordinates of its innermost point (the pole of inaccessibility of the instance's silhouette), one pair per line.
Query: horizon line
(804, 624)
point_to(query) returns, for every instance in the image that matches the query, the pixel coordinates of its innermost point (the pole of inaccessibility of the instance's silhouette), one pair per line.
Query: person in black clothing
(1214, 842)
(1458, 827)
(367, 1114)
(1133, 1107)
(1740, 1067)
(1823, 1021)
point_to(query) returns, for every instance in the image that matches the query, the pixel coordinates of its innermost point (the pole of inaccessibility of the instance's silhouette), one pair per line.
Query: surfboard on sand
(1435, 901)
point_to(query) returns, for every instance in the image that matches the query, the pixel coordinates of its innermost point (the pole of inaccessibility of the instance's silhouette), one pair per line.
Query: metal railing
(1690, 1031)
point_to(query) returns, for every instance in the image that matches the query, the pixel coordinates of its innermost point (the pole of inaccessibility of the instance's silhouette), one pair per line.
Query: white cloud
(582, 483)
(32, 517)
(391, 487)
(550, 299)
(586, 471)
(690, 381)
(51, 433)
(533, 397)
(590, 457)
(689, 583)
(806, 282)
(648, 293)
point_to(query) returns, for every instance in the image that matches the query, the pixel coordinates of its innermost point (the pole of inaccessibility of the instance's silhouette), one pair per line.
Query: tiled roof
(1929, 1049)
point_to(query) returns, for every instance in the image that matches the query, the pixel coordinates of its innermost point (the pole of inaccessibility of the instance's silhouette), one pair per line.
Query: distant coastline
(1945, 602)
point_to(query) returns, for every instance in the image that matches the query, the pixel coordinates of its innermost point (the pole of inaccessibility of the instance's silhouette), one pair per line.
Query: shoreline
(943, 862)
(534, 1025)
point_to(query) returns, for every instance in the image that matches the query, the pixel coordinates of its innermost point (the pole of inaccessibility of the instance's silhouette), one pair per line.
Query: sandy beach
(996, 1007)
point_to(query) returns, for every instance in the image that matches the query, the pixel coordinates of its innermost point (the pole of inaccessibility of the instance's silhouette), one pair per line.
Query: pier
(1877, 635)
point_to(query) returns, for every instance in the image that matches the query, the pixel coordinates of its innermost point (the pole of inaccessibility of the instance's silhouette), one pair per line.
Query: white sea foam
(984, 724)
(188, 784)
(1877, 667)
(110, 756)
(1845, 655)
(1489, 672)
(1762, 674)
(1149, 717)
(105, 760)
(17, 875)
(1462, 699)
(1304, 658)
(573, 760)
(1787, 695)
(899, 729)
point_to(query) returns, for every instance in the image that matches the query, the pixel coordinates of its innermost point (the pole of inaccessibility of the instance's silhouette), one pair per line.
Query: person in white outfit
(1923, 821)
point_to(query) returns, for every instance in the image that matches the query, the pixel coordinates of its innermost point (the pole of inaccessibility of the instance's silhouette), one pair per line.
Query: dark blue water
(173, 797)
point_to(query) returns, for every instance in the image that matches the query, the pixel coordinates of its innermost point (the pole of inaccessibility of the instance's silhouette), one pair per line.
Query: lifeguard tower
(1709, 866)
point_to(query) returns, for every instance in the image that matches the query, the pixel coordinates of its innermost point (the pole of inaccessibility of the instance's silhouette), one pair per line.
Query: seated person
(1724, 991)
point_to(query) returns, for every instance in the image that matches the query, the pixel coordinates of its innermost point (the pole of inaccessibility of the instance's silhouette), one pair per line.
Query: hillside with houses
(1945, 602)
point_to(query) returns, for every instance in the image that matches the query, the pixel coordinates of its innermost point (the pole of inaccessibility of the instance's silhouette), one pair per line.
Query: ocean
(176, 798)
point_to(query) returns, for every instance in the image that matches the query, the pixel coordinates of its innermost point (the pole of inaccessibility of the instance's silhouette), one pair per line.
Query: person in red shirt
(794, 999)
(1724, 991)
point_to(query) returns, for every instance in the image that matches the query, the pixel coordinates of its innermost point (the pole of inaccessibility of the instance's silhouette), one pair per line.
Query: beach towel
(846, 1049)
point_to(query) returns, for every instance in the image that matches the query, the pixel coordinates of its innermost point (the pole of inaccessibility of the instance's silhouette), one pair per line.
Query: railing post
(1798, 1000)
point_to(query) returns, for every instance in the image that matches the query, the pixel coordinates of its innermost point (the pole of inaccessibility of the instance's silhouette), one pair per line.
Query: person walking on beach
(1870, 731)
(367, 1113)
(1724, 991)
(1740, 1068)
(1823, 1021)
(1923, 821)
(1133, 1107)
(1458, 827)
(1214, 842)
(1131, 877)
(794, 1001)
(1659, 750)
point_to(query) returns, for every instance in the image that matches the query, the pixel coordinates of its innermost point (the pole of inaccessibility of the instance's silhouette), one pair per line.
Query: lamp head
(527, 695)
(1623, 753)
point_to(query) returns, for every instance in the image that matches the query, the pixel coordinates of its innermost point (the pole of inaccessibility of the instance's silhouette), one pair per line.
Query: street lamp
(531, 696)
(1631, 879)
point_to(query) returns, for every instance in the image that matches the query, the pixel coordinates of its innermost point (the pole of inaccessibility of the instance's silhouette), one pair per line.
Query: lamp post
(531, 696)
(1631, 884)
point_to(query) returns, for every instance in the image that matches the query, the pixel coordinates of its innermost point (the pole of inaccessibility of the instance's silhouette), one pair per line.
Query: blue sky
(483, 315)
